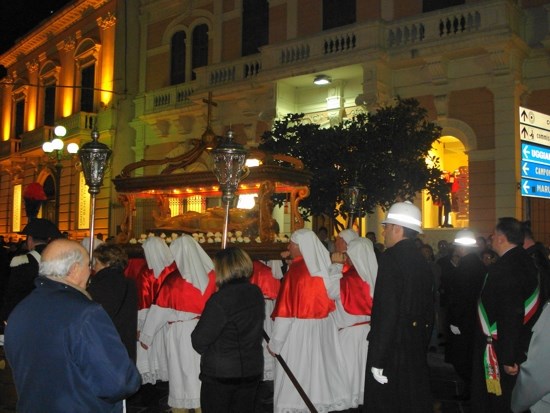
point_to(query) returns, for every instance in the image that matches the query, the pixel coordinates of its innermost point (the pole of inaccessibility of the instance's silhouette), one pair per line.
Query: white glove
(378, 375)
(455, 330)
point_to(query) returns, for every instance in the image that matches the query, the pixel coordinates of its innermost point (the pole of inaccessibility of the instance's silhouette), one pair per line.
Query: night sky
(17, 17)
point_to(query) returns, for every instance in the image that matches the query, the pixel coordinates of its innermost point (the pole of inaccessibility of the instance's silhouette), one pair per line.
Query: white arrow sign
(526, 151)
(534, 118)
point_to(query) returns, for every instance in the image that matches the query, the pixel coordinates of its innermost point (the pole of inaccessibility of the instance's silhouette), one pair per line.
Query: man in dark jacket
(462, 291)
(507, 310)
(24, 268)
(397, 377)
(63, 348)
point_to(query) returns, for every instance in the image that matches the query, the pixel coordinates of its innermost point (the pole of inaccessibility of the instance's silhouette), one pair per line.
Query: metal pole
(92, 224)
(293, 379)
(58, 169)
(225, 223)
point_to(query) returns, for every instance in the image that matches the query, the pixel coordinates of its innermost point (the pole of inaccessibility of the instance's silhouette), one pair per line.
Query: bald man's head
(66, 259)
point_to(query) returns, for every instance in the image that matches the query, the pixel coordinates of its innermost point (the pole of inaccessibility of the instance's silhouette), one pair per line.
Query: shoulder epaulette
(19, 260)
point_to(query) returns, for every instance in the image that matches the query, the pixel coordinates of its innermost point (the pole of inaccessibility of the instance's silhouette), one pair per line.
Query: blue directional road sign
(535, 171)
(534, 132)
(538, 189)
(533, 153)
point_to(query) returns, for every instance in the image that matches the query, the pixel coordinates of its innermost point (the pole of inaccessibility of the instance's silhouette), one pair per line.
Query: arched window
(177, 54)
(86, 56)
(255, 30)
(454, 211)
(49, 78)
(199, 55)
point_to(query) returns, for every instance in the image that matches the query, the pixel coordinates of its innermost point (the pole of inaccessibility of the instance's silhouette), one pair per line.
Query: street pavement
(446, 386)
(153, 398)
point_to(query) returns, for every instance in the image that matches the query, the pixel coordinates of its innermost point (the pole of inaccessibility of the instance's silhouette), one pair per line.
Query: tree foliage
(385, 151)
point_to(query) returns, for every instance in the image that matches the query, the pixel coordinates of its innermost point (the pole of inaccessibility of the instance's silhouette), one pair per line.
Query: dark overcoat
(118, 296)
(510, 281)
(462, 293)
(401, 324)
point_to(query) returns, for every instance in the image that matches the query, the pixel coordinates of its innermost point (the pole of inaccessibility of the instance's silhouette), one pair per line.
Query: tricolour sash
(490, 362)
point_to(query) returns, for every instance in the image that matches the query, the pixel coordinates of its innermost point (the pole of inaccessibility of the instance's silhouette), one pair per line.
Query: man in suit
(508, 307)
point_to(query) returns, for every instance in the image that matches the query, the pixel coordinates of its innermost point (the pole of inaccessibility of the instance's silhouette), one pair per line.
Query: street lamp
(354, 199)
(94, 157)
(54, 149)
(229, 167)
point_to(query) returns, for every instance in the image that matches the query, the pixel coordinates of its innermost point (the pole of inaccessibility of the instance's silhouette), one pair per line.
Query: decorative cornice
(32, 66)
(107, 22)
(52, 27)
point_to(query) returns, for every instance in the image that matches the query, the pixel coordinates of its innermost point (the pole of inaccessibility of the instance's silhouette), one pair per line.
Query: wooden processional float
(181, 194)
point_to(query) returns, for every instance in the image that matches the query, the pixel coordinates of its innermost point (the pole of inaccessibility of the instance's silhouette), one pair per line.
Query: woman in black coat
(228, 337)
(116, 293)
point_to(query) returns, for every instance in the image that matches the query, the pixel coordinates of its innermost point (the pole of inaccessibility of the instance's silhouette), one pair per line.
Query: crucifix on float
(209, 137)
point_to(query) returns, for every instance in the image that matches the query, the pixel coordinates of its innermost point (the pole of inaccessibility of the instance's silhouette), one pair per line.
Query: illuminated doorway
(454, 211)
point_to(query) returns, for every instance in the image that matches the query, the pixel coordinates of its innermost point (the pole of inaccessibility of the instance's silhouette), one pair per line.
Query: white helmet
(406, 215)
(465, 238)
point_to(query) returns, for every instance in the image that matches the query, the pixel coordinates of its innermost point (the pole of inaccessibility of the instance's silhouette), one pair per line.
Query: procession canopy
(180, 194)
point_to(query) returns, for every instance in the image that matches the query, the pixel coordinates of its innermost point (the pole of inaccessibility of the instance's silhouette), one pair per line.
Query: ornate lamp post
(354, 197)
(94, 157)
(54, 149)
(229, 168)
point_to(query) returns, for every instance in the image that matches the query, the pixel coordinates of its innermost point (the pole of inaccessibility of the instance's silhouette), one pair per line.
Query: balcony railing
(80, 123)
(353, 42)
(35, 138)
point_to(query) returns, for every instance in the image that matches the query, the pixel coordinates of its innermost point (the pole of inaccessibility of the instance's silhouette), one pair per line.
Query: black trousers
(229, 395)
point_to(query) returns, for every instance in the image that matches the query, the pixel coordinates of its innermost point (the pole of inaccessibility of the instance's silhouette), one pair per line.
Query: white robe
(183, 362)
(152, 363)
(355, 346)
(312, 350)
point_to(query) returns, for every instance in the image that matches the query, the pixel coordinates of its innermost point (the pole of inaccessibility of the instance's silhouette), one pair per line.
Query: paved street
(153, 399)
(445, 385)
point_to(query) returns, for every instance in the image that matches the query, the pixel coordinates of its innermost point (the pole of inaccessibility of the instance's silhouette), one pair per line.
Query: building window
(431, 5)
(16, 212)
(199, 57)
(19, 117)
(338, 13)
(177, 53)
(255, 30)
(49, 105)
(87, 91)
(49, 78)
(86, 56)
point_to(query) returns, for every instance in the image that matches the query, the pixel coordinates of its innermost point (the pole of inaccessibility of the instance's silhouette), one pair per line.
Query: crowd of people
(335, 325)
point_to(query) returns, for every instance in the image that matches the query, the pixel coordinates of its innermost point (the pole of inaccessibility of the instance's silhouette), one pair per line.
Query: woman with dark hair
(116, 293)
(228, 337)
